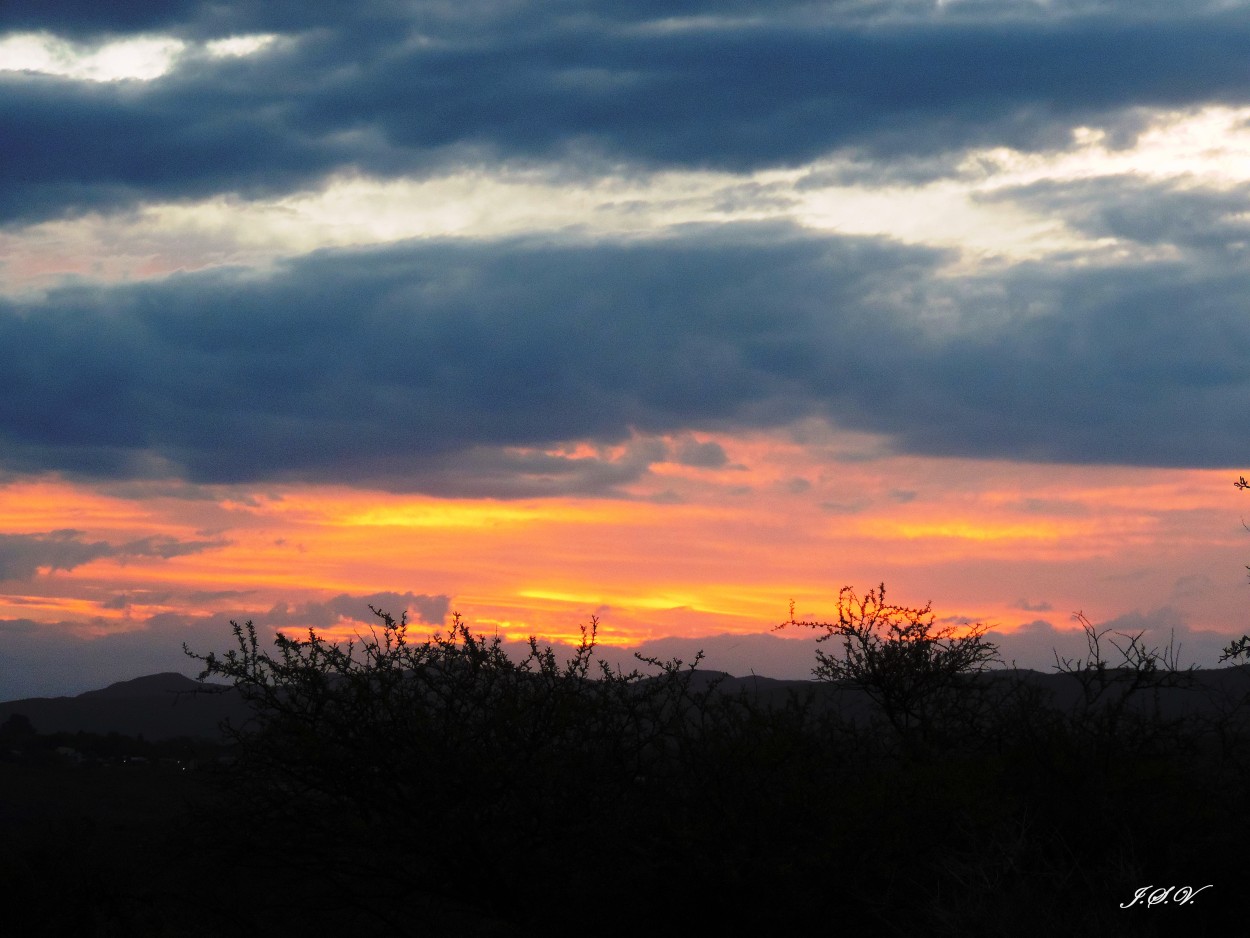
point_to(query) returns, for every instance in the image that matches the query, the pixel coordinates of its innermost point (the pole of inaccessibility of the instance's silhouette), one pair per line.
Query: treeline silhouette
(911, 791)
(430, 786)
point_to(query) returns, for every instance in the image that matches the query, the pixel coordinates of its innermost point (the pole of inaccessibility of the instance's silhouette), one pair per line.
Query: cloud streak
(22, 556)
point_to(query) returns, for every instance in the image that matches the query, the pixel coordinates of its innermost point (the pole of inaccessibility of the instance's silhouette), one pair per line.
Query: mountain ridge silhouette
(159, 706)
(167, 705)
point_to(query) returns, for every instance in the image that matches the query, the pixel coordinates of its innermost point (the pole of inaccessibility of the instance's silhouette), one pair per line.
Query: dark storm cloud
(426, 366)
(1179, 214)
(22, 556)
(86, 18)
(394, 89)
(486, 472)
(1142, 364)
(460, 368)
(435, 359)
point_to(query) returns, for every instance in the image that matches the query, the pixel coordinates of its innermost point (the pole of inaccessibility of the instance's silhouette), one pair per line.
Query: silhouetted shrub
(422, 758)
(920, 676)
(472, 783)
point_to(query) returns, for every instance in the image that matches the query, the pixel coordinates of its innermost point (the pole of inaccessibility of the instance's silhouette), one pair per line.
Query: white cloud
(238, 46)
(1209, 145)
(141, 58)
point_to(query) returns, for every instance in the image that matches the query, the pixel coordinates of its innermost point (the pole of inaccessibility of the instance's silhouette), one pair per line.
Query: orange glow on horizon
(40, 506)
(995, 542)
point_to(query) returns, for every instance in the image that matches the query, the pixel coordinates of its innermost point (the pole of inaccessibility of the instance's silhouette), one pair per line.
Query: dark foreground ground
(1040, 817)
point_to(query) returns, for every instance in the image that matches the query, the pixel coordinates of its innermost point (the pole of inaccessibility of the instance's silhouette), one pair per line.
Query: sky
(662, 313)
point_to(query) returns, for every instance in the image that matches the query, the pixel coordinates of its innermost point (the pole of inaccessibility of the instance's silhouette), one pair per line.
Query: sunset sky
(662, 311)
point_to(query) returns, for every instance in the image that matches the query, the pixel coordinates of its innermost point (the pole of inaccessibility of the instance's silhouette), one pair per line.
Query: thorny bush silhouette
(419, 757)
(917, 673)
(470, 784)
(1240, 648)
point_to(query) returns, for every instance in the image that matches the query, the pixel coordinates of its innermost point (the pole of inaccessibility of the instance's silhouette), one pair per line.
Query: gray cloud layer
(431, 366)
(22, 556)
(391, 88)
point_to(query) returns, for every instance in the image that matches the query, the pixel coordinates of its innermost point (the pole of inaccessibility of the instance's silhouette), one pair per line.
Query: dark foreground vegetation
(438, 787)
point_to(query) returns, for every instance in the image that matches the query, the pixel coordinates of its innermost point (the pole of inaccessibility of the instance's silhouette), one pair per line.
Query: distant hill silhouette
(169, 705)
(167, 682)
(1213, 690)
(159, 706)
